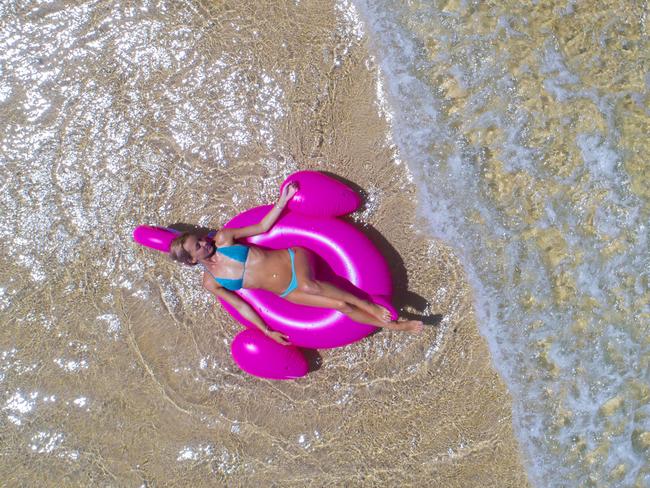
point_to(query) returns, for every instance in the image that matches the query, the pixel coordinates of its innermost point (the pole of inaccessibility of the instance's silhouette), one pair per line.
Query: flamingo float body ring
(346, 257)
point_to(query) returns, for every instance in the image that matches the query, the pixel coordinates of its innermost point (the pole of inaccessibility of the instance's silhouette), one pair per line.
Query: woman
(230, 266)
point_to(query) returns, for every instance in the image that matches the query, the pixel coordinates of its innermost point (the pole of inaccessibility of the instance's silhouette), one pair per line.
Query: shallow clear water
(115, 367)
(526, 127)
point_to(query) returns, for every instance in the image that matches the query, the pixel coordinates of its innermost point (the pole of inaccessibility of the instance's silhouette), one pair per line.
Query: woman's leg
(315, 287)
(333, 291)
(302, 298)
(325, 295)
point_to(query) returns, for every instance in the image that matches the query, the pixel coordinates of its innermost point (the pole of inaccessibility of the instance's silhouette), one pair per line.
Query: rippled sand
(115, 366)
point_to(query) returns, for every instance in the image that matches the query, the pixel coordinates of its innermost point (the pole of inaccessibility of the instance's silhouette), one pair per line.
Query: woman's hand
(287, 192)
(278, 337)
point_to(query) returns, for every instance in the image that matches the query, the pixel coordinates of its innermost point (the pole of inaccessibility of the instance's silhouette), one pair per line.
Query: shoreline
(364, 154)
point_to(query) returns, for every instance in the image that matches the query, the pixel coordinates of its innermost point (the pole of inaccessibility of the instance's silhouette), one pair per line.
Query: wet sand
(163, 402)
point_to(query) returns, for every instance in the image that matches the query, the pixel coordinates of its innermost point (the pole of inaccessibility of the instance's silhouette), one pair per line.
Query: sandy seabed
(163, 405)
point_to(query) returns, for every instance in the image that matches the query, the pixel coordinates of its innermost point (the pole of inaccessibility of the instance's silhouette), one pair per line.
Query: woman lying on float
(231, 265)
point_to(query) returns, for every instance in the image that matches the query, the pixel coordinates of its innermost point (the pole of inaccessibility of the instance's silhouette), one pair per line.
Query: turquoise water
(526, 126)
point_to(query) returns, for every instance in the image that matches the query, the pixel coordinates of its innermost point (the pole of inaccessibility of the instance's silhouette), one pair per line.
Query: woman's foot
(415, 326)
(377, 311)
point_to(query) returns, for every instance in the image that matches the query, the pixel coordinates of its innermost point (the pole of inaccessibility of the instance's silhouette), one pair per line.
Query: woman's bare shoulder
(223, 237)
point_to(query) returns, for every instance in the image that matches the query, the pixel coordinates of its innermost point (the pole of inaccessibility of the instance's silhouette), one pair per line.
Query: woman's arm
(245, 310)
(267, 222)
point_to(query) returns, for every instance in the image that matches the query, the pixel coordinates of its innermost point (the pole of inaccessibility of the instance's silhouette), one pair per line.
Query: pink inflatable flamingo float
(350, 258)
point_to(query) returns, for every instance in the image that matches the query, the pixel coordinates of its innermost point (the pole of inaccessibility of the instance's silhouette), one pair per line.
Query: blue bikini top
(238, 252)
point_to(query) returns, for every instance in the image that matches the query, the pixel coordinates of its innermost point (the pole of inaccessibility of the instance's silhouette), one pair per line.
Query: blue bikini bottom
(293, 284)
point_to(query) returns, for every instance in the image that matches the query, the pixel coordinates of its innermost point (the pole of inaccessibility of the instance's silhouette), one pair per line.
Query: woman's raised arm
(267, 222)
